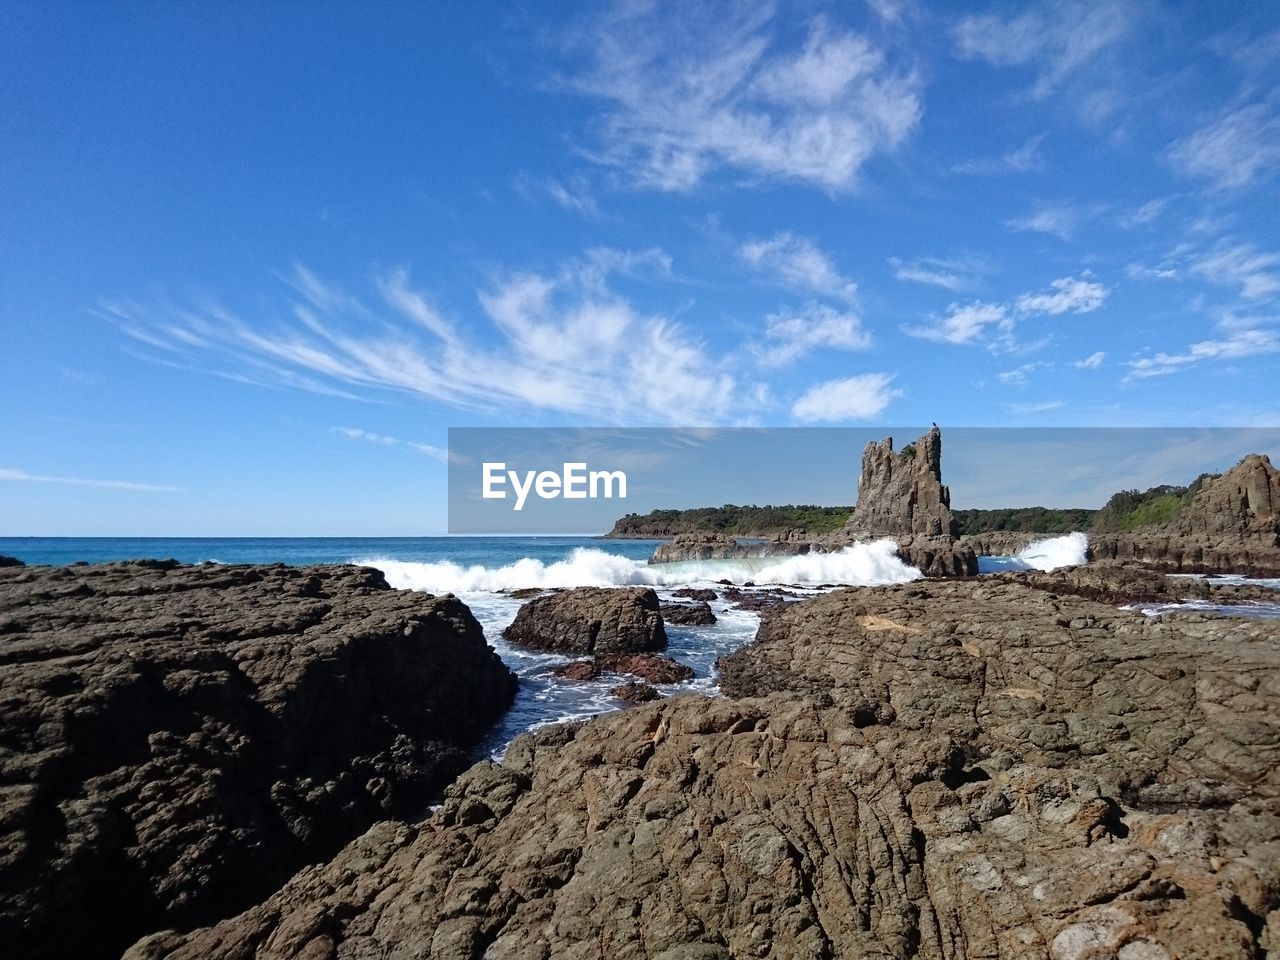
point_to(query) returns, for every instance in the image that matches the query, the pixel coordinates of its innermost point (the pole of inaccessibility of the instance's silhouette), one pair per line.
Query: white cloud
(1239, 147)
(1139, 271)
(853, 398)
(696, 88)
(22, 476)
(974, 322)
(1058, 220)
(790, 335)
(1043, 406)
(1020, 376)
(1068, 295)
(355, 433)
(1146, 213)
(1091, 362)
(574, 195)
(1023, 159)
(564, 342)
(964, 323)
(798, 263)
(1239, 345)
(1253, 270)
(949, 274)
(1054, 38)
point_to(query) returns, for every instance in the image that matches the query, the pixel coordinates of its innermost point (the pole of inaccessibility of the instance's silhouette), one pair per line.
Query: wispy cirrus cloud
(1256, 272)
(1239, 147)
(23, 476)
(564, 342)
(968, 323)
(382, 439)
(691, 89)
(851, 398)
(791, 334)
(953, 275)
(1056, 219)
(1020, 160)
(1237, 345)
(798, 263)
(1091, 362)
(1053, 39)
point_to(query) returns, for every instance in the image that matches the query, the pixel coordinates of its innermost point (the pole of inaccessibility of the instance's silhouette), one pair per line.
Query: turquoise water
(466, 551)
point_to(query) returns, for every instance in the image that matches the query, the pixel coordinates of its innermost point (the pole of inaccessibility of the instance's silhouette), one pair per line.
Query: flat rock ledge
(591, 620)
(176, 742)
(951, 769)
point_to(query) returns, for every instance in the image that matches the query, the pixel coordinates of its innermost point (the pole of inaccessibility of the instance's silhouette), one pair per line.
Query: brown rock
(176, 741)
(595, 620)
(634, 692)
(698, 613)
(646, 666)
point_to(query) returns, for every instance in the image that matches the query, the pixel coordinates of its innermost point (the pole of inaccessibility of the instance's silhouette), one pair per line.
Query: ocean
(481, 569)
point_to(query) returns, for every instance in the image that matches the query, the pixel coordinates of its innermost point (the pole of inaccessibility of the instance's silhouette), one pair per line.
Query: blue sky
(256, 258)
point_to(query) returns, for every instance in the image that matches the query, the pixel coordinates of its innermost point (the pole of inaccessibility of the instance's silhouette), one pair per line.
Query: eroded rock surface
(694, 613)
(593, 620)
(1232, 525)
(176, 741)
(945, 770)
(647, 666)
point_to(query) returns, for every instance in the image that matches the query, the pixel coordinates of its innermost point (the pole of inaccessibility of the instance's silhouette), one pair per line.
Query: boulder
(592, 620)
(695, 593)
(633, 692)
(178, 741)
(6, 561)
(698, 613)
(647, 666)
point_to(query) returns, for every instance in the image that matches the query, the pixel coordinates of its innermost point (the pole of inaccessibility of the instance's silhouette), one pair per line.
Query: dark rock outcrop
(717, 546)
(594, 620)
(6, 561)
(902, 494)
(634, 692)
(697, 613)
(696, 593)
(1231, 525)
(175, 742)
(943, 770)
(647, 666)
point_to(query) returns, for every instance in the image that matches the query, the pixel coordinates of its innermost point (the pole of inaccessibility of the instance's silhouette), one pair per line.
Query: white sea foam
(862, 564)
(1053, 552)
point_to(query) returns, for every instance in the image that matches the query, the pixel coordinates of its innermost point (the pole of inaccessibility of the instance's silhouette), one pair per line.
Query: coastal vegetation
(769, 521)
(1131, 509)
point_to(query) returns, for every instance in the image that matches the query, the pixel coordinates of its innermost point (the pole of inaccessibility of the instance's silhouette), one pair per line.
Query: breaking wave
(862, 564)
(1051, 553)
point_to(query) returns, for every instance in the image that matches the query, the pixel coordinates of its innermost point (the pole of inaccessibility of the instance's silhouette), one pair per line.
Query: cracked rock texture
(1232, 525)
(175, 742)
(957, 769)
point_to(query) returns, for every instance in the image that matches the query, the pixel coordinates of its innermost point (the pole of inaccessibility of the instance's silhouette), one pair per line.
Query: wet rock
(634, 692)
(698, 613)
(695, 593)
(6, 561)
(646, 666)
(595, 620)
(178, 741)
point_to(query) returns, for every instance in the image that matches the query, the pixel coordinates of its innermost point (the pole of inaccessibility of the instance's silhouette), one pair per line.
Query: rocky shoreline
(999, 767)
(176, 742)
(235, 761)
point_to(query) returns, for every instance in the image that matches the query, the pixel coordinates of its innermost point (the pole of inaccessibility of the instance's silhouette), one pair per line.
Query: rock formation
(594, 620)
(937, 770)
(1231, 525)
(6, 561)
(697, 613)
(901, 495)
(647, 666)
(176, 742)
